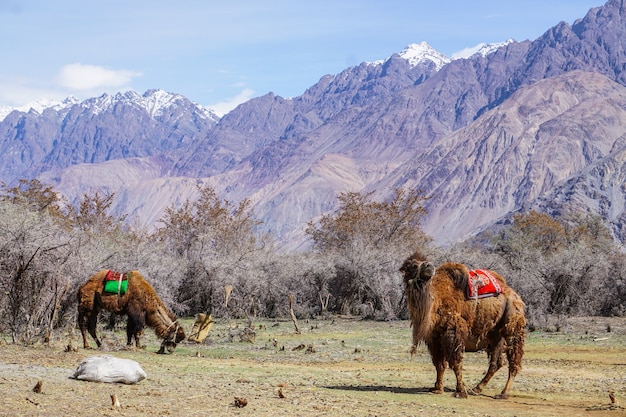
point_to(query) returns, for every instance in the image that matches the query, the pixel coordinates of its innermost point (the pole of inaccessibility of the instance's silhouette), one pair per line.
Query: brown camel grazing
(128, 294)
(450, 323)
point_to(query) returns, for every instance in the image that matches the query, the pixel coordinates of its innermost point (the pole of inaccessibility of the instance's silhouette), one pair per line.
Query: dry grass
(346, 367)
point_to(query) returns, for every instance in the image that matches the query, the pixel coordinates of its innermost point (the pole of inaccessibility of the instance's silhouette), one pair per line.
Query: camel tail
(515, 331)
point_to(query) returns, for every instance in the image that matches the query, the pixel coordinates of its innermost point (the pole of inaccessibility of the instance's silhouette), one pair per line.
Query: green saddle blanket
(116, 282)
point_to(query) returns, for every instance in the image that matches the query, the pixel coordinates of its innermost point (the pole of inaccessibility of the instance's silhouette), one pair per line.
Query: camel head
(174, 336)
(416, 272)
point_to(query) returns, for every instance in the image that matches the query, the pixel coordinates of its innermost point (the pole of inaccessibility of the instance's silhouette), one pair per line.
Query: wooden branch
(227, 289)
(251, 314)
(37, 387)
(324, 302)
(293, 316)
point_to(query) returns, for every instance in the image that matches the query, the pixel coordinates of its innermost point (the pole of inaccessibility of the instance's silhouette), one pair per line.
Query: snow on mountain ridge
(419, 53)
(39, 106)
(482, 49)
(155, 102)
(98, 104)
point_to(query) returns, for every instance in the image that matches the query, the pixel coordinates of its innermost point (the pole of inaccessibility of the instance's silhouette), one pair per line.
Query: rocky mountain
(97, 130)
(533, 124)
(557, 146)
(39, 106)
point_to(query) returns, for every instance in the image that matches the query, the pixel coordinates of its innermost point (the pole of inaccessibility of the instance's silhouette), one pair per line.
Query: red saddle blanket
(116, 282)
(482, 284)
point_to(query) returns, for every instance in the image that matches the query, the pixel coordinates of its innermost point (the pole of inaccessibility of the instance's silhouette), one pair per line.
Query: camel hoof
(474, 391)
(459, 394)
(436, 391)
(503, 396)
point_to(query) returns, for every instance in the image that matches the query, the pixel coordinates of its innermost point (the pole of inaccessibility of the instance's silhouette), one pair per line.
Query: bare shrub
(365, 240)
(561, 267)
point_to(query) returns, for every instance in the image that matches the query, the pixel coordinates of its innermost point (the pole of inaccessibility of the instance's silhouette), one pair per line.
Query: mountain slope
(599, 189)
(99, 129)
(534, 124)
(520, 152)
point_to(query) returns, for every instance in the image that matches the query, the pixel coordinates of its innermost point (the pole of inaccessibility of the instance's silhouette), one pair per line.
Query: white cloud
(20, 92)
(225, 106)
(467, 52)
(79, 80)
(83, 77)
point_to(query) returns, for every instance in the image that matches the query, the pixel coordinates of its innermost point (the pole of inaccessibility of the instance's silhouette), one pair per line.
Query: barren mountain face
(535, 124)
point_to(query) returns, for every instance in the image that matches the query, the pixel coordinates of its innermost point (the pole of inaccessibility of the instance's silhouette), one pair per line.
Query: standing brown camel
(128, 294)
(450, 323)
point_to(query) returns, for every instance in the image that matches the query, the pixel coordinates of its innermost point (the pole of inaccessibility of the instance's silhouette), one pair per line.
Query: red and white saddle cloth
(482, 284)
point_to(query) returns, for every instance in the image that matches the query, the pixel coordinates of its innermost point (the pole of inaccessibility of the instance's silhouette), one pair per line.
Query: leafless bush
(366, 241)
(562, 267)
(33, 273)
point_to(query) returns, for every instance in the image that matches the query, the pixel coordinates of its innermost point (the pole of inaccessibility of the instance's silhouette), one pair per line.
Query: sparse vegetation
(207, 257)
(356, 368)
(561, 267)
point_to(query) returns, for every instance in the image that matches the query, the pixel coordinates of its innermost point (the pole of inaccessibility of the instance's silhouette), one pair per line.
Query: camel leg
(133, 330)
(92, 322)
(111, 325)
(441, 368)
(129, 335)
(436, 356)
(496, 362)
(455, 348)
(513, 369)
(457, 367)
(129, 339)
(137, 339)
(130, 332)
(82, 324)
(135, 323)
(514, 353)
(515, 336)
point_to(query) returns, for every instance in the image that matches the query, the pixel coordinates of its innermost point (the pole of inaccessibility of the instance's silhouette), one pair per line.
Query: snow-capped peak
(482, 49)
(156, 101)
(39, 106)
(417, 53)
(420, 53)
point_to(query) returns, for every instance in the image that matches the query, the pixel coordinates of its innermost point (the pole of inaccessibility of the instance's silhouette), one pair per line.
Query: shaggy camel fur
(450, 324)
(140, 303)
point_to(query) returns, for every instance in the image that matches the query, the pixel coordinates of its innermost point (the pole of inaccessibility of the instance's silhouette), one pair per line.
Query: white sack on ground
(107, 368)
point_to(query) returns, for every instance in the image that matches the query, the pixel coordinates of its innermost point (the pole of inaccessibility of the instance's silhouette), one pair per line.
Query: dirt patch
(345, 367)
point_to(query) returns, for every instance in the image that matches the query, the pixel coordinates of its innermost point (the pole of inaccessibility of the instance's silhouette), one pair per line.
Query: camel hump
(457, 273)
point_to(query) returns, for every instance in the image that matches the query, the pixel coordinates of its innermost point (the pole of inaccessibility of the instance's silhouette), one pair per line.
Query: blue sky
(221, 53)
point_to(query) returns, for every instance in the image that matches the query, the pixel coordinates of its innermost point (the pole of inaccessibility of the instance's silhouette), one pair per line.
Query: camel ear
(405, 267)
(427, 270)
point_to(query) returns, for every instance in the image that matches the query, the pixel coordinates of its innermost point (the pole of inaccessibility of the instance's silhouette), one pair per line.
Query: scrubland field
(335, 367)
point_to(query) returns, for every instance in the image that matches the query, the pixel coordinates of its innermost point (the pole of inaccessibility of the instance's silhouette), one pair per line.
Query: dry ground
(347, 367)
